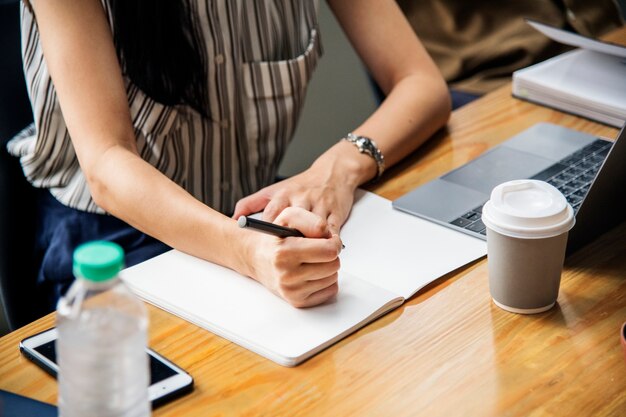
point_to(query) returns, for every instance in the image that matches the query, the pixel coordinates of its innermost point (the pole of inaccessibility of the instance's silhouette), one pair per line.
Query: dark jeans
(61, 229)
(460, 98)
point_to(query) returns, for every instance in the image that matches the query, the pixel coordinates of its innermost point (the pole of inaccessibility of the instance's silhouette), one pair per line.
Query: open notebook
(389, 256)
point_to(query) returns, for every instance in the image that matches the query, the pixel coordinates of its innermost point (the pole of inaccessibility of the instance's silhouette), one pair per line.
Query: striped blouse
(260, 56)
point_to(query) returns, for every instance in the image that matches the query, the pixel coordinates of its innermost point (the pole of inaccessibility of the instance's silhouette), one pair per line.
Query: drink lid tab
(528, 209)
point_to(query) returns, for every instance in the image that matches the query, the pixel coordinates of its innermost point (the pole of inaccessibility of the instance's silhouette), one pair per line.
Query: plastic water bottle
(102, 327)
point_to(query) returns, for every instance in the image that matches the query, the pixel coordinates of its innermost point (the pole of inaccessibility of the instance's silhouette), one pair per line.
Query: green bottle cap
(98, 261)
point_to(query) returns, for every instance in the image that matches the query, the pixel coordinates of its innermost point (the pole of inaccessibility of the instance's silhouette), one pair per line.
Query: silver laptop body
(589, 171)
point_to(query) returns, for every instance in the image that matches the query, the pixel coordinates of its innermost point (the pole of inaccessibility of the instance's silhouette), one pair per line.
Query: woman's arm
(80, 55)
(417, 105)
(418, 101)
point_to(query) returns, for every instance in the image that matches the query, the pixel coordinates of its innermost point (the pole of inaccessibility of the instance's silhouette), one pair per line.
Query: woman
(173, 116)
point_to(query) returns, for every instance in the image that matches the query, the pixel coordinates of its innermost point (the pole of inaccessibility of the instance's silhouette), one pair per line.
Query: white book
(389, 256)
(589, 81)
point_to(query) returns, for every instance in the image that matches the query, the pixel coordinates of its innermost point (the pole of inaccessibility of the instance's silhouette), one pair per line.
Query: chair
(18, 305)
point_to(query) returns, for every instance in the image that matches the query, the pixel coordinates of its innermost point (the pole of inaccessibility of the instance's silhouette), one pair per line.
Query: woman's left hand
(311, 190)
(326, 188)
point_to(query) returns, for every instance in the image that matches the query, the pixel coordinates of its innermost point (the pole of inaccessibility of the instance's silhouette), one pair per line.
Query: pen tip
(242, 221)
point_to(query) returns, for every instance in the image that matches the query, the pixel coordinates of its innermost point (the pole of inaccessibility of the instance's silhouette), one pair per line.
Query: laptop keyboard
(572, 176)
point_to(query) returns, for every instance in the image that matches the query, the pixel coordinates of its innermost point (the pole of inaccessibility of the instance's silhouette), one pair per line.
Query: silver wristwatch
(368, 147)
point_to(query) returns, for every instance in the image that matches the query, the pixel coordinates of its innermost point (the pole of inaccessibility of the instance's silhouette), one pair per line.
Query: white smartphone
(167, 381)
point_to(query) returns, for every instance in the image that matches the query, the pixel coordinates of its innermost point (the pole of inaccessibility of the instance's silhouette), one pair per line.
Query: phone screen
(158, 370)
(167, 381)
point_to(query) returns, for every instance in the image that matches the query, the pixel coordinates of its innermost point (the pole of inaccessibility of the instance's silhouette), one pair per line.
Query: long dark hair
(160, 50)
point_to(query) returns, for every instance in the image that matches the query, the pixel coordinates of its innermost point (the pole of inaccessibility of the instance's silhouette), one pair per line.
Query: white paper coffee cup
(527, 226)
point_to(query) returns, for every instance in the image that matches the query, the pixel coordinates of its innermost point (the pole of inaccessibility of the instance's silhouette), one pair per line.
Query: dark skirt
(61, 229)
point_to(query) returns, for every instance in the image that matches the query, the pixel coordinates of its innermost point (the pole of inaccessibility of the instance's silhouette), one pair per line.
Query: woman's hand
(317, 202)
(303, 271)
(331, 202)
(325, 189)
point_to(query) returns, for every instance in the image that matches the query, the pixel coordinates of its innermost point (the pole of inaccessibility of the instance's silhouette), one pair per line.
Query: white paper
(574, 39)
(401, 252)
(243, 311)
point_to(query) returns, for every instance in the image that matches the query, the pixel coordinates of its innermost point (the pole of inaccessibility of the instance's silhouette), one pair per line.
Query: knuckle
(291, 211)
(293, 297)
(276, 262)
(330, 252)
(334, 226)
(320, 226)
(287, 279)
(285, 290)
(281, 194)
(270, 212)
(282, 255)
(328, 200)
(299, 303)
(333, 289)
(285, 214)
(332, 278)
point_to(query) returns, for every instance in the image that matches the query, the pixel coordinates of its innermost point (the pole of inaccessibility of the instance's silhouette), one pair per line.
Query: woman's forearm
(415, 109)
(129, 188)
(417, 102)
(81, 58)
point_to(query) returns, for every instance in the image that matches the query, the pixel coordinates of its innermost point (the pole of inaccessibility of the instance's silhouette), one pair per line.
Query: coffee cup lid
(528, 209)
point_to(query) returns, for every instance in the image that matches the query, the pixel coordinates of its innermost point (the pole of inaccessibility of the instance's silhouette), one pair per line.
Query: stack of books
(589, 81)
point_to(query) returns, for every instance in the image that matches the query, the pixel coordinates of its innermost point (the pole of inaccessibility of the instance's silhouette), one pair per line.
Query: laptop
(589, 171)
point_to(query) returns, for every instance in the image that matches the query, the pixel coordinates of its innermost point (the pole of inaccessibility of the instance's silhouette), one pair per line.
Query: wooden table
(448, 351)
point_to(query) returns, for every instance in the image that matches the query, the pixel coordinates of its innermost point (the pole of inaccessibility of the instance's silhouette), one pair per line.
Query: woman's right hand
(303, 271)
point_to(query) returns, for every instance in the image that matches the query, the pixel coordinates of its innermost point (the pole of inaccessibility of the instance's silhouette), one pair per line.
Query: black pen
(270, 228)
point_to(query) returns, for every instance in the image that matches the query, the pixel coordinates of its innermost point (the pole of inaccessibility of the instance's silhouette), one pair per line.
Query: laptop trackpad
(440, 201)
(499, 165)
